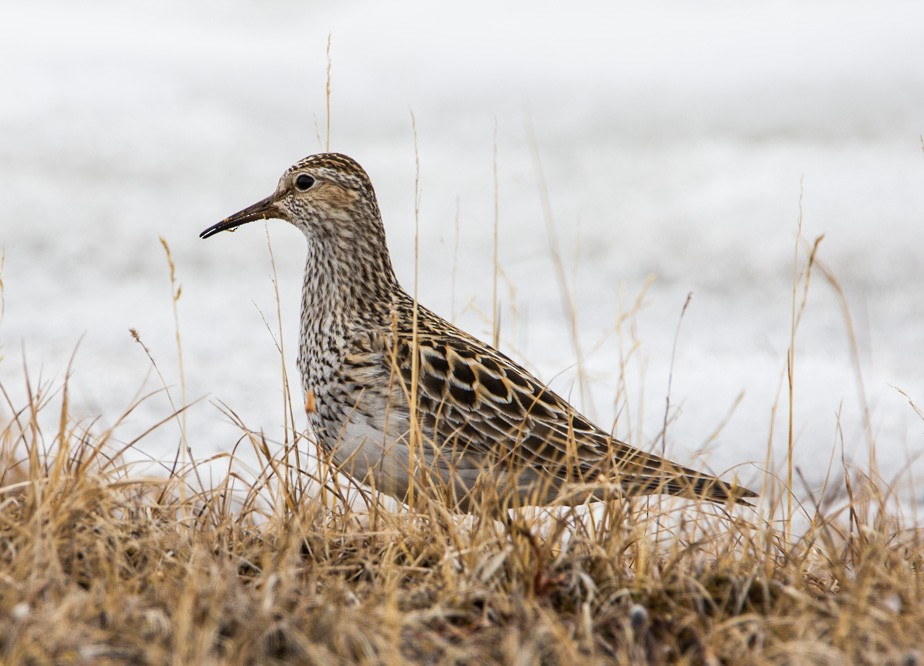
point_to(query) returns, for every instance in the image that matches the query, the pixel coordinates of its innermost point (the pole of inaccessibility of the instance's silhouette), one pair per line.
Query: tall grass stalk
(570, 312)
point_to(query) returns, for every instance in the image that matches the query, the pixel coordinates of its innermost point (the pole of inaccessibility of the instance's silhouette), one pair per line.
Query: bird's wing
(480, 400)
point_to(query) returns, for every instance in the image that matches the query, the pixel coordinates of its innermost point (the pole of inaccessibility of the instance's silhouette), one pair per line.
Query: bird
(402, 399)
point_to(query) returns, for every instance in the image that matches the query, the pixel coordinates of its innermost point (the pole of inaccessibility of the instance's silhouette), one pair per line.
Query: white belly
(365, 452)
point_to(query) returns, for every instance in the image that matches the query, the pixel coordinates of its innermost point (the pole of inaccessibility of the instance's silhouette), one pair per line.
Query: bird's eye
(304, 182)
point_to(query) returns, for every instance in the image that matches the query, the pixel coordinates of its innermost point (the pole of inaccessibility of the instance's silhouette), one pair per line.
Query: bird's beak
(265, 209)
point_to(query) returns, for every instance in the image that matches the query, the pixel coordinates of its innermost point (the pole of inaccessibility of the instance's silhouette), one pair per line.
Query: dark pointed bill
(264, 209)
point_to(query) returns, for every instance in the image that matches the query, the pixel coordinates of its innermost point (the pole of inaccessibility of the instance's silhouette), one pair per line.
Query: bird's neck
(345, 290)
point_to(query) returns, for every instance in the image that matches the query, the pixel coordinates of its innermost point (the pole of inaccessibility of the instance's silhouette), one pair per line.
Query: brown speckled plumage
(479, 413)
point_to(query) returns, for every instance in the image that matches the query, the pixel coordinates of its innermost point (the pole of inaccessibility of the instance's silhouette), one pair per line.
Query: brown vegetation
(97, 566)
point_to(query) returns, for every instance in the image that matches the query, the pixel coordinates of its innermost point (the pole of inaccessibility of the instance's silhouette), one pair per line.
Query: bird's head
(328, 196)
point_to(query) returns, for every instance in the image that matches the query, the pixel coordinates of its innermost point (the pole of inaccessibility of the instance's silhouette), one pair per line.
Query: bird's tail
(688, 483)
(641, 473)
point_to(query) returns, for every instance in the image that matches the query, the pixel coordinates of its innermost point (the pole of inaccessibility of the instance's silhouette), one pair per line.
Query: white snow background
(675, 140)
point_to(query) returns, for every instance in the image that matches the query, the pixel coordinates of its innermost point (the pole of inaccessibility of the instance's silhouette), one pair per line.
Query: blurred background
(676, 143)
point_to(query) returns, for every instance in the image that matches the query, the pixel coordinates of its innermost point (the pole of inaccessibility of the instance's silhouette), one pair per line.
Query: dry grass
(101, 567)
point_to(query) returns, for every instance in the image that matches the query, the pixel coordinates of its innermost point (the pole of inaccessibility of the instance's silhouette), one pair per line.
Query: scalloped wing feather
(491, 409)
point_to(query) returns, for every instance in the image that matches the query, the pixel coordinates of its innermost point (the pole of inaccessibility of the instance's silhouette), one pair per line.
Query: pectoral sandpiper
(396, 393)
